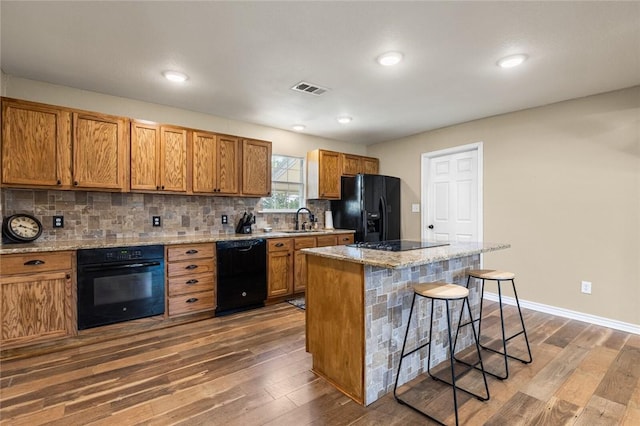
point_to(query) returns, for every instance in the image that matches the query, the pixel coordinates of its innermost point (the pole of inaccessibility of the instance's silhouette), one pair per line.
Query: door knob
(430, 226)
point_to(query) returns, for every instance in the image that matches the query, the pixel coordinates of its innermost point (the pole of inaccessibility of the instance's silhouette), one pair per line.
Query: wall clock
(21, 228)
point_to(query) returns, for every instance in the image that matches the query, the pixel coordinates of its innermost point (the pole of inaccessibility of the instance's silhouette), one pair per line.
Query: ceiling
(242, 58)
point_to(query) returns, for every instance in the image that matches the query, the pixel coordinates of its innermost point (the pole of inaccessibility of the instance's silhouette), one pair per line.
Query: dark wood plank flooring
(252, 369)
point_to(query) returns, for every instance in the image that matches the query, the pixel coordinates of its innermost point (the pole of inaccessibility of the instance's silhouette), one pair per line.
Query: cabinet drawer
(189, 251)
(345, 239)
(280, 244)
(191, 303)
(190, 267)
(305, 242)
(36, 262)
(190, 284)
(327, 240)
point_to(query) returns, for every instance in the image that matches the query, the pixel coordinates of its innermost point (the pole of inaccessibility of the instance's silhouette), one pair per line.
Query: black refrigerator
(370, 204)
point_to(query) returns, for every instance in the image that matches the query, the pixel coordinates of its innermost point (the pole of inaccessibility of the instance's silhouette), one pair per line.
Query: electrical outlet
(156, 221)
(586, 287)
(58, 221)
(415, 208)
(225, 219)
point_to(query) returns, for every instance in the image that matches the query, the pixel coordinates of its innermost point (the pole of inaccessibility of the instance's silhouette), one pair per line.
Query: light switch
(415, 208)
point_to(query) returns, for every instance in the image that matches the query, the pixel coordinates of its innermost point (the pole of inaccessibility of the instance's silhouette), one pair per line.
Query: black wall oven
(119, 284)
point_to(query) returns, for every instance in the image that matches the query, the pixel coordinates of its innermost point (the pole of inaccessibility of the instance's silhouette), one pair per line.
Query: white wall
(284, 142)
(562, 185)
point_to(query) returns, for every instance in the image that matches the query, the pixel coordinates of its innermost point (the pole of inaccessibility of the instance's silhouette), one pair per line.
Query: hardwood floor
(252, 369)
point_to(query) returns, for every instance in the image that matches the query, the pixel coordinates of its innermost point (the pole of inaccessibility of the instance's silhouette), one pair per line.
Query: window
(287, 185)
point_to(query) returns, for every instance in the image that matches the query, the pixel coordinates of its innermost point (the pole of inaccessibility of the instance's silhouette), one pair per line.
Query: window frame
(303, 199)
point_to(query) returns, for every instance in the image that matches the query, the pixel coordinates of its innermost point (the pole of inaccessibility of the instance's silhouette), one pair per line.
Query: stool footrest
(503, 354)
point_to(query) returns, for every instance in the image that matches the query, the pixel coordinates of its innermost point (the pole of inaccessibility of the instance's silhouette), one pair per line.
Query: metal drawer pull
(279, 244)
(191, 267)
(34, 262)
(191, 252)
(192, 300)
(192, 282)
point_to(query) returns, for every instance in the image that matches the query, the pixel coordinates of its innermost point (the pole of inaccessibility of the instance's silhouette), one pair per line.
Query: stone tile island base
(357, 315)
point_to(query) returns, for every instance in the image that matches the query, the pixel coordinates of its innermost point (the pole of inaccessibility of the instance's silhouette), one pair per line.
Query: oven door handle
(106, 267)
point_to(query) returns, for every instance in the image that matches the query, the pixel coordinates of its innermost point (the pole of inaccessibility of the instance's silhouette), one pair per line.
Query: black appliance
(398, 245)
(242, 275)
(370, 205)
(119, 284)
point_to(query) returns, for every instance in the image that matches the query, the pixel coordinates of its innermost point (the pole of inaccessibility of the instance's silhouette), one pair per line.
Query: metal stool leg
(504, 353)
(455, 387)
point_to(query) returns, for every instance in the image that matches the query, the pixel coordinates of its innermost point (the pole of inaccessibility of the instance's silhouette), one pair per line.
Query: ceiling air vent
(313, 89)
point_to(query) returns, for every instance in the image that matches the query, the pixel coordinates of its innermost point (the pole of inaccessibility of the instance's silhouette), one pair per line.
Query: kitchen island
(357, 310)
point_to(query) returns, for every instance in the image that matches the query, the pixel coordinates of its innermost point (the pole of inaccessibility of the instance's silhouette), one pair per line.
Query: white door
(451, 202)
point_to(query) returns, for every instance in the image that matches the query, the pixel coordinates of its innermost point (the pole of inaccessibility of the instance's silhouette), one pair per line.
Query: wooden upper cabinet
(351, 164)
(370, 165)
(204, 162)
(158, 157)
(324, 169)
(354, 164)
(36, 145)
(256, 168)
(173, 159)
(228, 163)
(145, 156)
(100, 151)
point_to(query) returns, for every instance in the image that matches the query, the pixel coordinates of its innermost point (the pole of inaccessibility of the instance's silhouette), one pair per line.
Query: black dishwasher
(242, 275)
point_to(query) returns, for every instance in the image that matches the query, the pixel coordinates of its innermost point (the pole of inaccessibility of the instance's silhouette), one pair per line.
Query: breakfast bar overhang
(357, 310)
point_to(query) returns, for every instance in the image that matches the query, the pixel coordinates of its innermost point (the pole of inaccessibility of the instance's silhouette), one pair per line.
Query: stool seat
(491, 274)
(441, 290)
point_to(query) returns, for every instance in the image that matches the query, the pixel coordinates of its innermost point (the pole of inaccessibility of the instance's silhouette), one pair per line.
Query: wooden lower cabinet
(191, 278)
(300, 263)
(280, 267)
(286, 263)
(37, 298)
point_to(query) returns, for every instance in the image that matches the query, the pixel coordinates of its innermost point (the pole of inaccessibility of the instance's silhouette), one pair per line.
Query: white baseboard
(566, 313)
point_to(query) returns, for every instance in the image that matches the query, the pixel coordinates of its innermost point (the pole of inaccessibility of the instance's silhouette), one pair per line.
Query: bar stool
(445, 292)
(499, 277)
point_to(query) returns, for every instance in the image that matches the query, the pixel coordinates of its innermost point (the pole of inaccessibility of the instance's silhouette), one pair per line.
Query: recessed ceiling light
(344, 119)
(175, 76)
(390, 58)
(512, 61)
(298, 127)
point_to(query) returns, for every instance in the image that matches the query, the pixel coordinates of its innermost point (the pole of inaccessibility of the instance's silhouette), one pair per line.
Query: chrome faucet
(298, 212)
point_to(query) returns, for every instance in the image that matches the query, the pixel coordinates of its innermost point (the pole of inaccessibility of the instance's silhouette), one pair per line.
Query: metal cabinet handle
(192, 300)
(191, 252)
(192, 282)
(430, 226)
(191, 267)
(279, 244)
(34, 262)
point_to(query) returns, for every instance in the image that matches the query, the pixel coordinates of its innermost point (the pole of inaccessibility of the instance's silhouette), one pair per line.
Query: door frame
(424, 183)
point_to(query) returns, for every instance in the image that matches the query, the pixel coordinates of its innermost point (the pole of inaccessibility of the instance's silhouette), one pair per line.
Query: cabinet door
(370, 165)
(280, 273)
(329, 174)
(173, 159)
(256, 168)
(145, 156)
(36, 145)
(99, 151)
(228, 163)
(204, 163)
(351, 164)
(35, 307)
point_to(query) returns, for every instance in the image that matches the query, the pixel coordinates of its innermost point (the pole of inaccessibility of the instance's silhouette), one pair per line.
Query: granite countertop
(41, 246)
(404, 259)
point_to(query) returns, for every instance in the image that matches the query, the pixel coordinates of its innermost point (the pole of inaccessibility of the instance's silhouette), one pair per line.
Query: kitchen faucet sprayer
(311, 217)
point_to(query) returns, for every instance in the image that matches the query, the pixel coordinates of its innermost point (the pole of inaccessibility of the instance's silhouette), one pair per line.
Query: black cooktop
(398, 245)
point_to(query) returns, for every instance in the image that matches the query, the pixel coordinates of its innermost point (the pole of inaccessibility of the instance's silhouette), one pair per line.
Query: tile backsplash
(93, 215)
